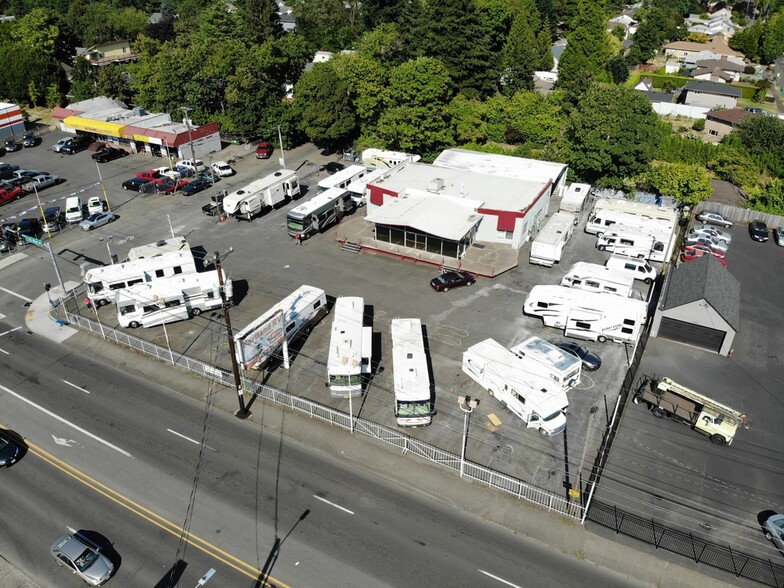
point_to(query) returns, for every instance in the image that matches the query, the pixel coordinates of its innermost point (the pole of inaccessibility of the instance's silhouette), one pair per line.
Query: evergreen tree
(260, 20)
(82, 80)
(747, 41)
(544, 44)
(587, 53)
(378, 12)
(519, 57)
(772, 43)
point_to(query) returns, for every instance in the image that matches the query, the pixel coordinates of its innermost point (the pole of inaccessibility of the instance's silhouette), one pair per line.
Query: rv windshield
(295, 224)
(95, 287)
(345, 380)
(552, 417)
(408, 409)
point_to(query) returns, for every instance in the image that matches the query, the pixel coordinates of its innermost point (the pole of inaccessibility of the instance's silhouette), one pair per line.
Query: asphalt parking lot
(266, 265)
(664, 470)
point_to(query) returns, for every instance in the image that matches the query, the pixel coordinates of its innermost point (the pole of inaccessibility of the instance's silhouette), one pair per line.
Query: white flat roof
(491, 191)
(444, 216)
(507, 166)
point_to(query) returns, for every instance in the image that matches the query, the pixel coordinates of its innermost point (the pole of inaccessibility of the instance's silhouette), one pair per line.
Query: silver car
(97, 220)
(714, 244)
(778, 236)
(714, 218)
(710, 231)
(83, 557)
(774, 530)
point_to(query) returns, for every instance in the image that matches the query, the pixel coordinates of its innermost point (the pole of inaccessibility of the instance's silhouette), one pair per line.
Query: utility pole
(282, 154)
(185, 111)
(243, 412)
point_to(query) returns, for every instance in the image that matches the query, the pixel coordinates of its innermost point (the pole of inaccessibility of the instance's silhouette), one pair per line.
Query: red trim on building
(377, 194)
(61, 113)
(196, 133)
(508, 218)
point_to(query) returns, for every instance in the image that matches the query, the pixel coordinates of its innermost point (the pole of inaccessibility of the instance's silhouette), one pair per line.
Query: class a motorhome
(633, 245)
(320, 212)
(287, 320)
(350, 348)
(574, 198)
(546, 366)
(599, 278)
(262, 195)
(498, 371)
(171, 299)
(641, 269)
(103, 282)
(413, 387)
(547, 247)
(592, 316)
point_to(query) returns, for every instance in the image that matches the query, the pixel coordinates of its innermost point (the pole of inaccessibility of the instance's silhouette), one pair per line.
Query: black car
(196, 185)
(134, 184)
(30, 227)
(591, 361)
(12, 145)
(449, 280)
(7, 170)
(10, 449)
(758, 231)
(30, 140)
(334, 167)
(77, 144)
(108, 154)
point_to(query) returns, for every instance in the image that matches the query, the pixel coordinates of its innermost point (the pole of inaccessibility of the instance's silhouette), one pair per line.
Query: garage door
(690, 334)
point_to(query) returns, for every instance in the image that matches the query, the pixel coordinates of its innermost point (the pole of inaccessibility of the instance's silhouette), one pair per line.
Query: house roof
(717, 44)
(665, 97)
(733, 116)
(722, 63)
(715, 72)
(706, 87)
(705, 279)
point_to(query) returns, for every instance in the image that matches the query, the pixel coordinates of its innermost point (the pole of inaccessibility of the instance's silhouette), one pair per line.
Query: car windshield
(779, 523)
(441, 280)
(94, 217)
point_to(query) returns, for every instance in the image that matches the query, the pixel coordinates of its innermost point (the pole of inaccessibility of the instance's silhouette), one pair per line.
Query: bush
(699, 124)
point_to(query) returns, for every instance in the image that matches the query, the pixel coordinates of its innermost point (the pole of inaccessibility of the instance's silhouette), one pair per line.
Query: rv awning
(99, 127)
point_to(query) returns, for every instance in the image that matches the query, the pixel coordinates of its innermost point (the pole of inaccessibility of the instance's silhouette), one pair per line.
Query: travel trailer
(157, 248)
(599, 278)
(262, 195)
(414, 405)
(350, 348)
(573, 200)
(547, 247)
(343, 178)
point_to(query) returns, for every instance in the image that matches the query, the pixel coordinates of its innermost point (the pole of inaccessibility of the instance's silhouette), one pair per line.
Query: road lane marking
(497, 578)
(4, 351)
(65, 422)
(11, 331)
(12, 293)
(333, 504)
(148, 515)
(189, 439)
(75, 386)
(2, 316)
(63, 441)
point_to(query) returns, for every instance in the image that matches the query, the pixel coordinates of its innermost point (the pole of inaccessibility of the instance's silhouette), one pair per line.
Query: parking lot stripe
(6, 290)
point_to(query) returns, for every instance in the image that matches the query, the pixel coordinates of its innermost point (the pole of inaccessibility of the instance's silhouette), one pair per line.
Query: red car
(264, 150)
(448, 280)
(9, 192)
(696, 251)
(169, 186)
(149, 174)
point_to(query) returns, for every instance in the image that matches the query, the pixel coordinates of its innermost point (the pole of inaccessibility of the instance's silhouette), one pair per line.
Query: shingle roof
(731, 115)
(657, 96)
(722, 63)
(705, 279)
(712, 88)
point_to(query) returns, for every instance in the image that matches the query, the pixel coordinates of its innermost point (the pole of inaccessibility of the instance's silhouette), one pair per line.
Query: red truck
(9, 193)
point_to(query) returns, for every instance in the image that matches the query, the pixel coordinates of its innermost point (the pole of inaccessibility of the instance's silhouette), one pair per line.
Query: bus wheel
(133, 325)
(718, 439)
(658, 411)
(196, 311)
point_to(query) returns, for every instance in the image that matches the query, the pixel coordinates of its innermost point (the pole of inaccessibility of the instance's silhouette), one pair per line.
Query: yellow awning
(100, 127)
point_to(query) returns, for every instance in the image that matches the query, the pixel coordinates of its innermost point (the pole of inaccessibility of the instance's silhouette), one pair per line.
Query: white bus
(588, 315)
(104, 282)
(290, 318)
(413, 389)
(599, 278)
(318, 213)
(350, 348)
(547, 247)
(171, 299)
(343, 178)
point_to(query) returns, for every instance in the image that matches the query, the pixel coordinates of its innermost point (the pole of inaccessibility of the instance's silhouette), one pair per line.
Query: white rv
(413, 393)
(171, 245)
(290, 318)
(639, 268)
(574, 198)
(170, 299)
(343, 178)
(318, 213)
(382, 159)
(599, 278)
(103, 282)
(620, 214)
(350, 348)
(262, 195)
(497, 370)
(547, 247)
(547, 367)
(634, 245)
(588, 315)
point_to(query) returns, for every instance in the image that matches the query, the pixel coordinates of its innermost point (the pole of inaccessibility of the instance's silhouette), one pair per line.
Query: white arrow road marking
(75, 386)
(65, 422)
(25, 298)
(11, 331)
(333, 504)
(2, 316)
(188, 439)
(63, 441)
(499, 579)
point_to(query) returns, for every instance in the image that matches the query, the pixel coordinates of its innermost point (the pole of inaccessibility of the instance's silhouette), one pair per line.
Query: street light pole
(243, 412)
(185, 111)
(105, 195)
(467, 405)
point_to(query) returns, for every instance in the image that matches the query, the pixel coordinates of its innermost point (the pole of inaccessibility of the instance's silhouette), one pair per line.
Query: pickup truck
(40, 182)
(215, 205)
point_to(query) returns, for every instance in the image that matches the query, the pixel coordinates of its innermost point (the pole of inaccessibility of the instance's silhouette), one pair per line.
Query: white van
(196, 166)
(73, 210)
(640, 268)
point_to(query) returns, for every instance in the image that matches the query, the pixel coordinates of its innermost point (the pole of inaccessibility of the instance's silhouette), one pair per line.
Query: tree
(747, 41)
(618, 69)
(688, 184)
(112, 81)
(466, 117)
(772, 42)
(322, 101)
(768, 197)
(380, 12)
(656, 28)
(260, 20)
(83, 82)
(519, 57)
(533, 119)
(612, 133)
(326, 24)
(366, 80)
(586, 56)
(383, 45)
(544, 43)
(763, 137)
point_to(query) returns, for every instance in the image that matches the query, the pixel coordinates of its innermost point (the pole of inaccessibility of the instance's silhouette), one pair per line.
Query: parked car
(711, 231)
(185, 172)
(169, 172)
(714, 218)
(7, 170)
(333, 167)
(773, 528)
(9, 192)
(40, 182)
(196, 185)
(149, 174)
(715, 245)
(697, 251)
(758, 231)
(591, 361)
(108, 154)
(94, 205)
(778, 236)
(10, 449)
(58, 147)
(30, 227)
(83, 557)
(97, 220)
(264, 150)
(448, 280)
(11, 145)
(170, 186)
(223, 169)
(54, 219)
(134, 184)
(6, 246)
(26, 174)
(151, 187)
(196, 166)
(77, 144)
(30, 140)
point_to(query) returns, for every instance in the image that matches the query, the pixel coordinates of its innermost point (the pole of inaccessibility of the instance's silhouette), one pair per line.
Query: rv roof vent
(435, 185)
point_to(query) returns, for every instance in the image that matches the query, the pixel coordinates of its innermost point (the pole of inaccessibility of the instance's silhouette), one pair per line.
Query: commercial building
(11, 121)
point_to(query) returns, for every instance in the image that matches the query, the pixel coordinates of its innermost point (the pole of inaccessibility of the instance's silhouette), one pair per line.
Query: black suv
(29, 226)
(77, 144)
(108, 153)
(11, 145)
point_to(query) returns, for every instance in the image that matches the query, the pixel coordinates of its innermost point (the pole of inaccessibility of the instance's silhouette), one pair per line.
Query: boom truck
(679, 403)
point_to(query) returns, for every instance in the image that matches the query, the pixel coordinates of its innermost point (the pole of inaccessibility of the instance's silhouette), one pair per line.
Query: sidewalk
(640, 562)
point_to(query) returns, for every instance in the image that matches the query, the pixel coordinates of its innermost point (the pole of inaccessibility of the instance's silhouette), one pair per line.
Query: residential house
(688, 53)
(719, 123)
(711, 94)
(107, 53)
(717, 23)
(624, 21)
(717, 70)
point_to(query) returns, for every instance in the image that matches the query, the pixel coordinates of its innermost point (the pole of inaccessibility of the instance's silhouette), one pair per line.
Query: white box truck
(262, 195)
(547, 247)
(498, 371)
